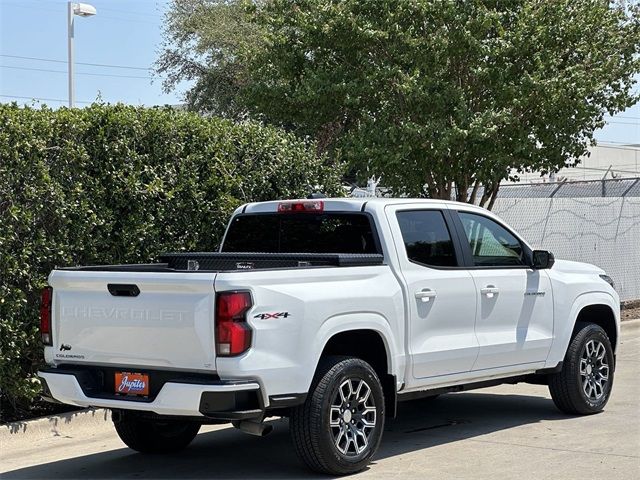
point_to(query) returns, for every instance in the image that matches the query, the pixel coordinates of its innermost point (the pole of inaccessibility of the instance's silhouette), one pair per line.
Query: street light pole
(70, 53)
(73, 9)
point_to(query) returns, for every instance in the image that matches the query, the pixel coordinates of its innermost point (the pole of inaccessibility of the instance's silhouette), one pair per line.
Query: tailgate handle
(123, 290)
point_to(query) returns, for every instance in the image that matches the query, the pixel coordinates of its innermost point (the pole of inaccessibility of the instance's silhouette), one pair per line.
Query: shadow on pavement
(229, 453)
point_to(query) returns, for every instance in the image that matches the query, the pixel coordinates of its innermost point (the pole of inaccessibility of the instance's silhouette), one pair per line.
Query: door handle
(425, 294)
(489, 291)
(123, 290)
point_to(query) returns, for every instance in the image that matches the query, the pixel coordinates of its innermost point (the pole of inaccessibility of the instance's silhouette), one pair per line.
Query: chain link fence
(596, 222)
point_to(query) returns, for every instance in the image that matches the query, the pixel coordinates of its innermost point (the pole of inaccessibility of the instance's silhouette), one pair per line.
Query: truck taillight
(302, 206)
(233, 333)
(45, 315)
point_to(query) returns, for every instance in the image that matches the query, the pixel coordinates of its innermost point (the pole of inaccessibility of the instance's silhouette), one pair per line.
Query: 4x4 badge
(265, 316)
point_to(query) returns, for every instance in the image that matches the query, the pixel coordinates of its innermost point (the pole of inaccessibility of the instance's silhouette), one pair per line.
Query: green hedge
(114, 183)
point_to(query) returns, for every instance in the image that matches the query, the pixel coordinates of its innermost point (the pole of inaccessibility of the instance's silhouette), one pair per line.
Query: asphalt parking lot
(504, 432)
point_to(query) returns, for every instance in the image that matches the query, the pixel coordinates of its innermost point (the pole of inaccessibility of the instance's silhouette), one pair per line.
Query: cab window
(426, 238)
(327, 232)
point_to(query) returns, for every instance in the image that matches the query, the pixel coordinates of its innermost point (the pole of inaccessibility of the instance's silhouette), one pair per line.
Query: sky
(124, 33)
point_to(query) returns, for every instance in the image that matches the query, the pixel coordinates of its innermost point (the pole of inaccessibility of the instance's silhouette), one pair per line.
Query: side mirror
(542, 259)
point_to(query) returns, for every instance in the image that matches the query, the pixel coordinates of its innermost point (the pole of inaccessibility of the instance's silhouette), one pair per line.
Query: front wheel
(339, 427)
(583, 386)
(151, 436)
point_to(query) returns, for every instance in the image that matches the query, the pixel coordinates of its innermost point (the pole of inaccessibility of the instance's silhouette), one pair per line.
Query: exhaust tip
(259, 429)
(268, 428)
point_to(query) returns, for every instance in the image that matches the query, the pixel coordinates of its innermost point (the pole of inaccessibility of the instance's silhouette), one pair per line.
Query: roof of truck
(344, 204)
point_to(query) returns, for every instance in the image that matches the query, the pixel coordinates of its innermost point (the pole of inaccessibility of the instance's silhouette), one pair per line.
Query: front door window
(491, 244)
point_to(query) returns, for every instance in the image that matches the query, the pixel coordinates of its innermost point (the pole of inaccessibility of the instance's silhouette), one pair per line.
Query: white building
(610, 161)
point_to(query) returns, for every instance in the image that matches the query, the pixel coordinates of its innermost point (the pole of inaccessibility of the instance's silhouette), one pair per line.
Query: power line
(43, 99)
(128, 12)
(77, 73)
(77, 63)
(596, 169)
(125, 19)
(624, 116)
(39, 8)
(614, 144)
(622, 123)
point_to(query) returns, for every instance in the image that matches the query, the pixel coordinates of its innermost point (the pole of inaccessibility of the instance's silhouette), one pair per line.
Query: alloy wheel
(594, 370)
(353, 417)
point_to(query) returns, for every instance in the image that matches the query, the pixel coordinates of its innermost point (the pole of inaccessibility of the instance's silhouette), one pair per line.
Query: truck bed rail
(250, 261)
(231, 261)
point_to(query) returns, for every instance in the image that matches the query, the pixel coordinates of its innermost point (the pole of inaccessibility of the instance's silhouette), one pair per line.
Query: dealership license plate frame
(132, 378)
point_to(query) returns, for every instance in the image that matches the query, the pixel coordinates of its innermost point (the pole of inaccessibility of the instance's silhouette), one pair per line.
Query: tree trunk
(440, 190)
(474, 192)
(485, 196)
(489, 196)
(462, 188)
(494, 195)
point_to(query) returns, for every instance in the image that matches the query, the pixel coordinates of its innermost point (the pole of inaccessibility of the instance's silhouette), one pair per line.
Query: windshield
(301, 233)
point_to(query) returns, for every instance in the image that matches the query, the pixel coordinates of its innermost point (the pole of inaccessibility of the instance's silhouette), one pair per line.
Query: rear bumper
(219, 399)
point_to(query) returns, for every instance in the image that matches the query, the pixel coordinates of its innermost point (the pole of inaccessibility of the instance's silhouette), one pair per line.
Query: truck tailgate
(99, 319)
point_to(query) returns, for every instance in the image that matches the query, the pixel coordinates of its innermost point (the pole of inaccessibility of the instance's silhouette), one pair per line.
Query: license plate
(128, 383)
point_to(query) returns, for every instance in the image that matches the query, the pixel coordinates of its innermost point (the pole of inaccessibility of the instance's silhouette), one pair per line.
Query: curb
(628, 304)
(63, 425)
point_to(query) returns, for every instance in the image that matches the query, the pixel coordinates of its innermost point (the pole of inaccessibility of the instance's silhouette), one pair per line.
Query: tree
(203, 40)
(436, 95)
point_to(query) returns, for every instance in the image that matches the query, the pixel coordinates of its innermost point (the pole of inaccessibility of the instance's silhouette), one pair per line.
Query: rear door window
(301, 233)
(426, 238)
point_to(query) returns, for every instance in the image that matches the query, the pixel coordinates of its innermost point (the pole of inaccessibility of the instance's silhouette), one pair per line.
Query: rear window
(301, 233)
(426, 238)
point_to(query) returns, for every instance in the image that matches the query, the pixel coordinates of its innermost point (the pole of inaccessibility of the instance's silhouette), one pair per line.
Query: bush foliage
(120, 184)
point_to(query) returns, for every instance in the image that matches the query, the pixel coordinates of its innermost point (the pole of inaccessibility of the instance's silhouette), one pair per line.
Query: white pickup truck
(329, 312)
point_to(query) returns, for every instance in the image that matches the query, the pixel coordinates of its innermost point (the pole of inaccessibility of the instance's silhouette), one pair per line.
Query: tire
(583, 386)
(318, 426)
(151, 436)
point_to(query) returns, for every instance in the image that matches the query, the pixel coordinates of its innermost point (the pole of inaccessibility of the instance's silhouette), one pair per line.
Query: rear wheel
(152, 436)
(339, 427)
(583, 386)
